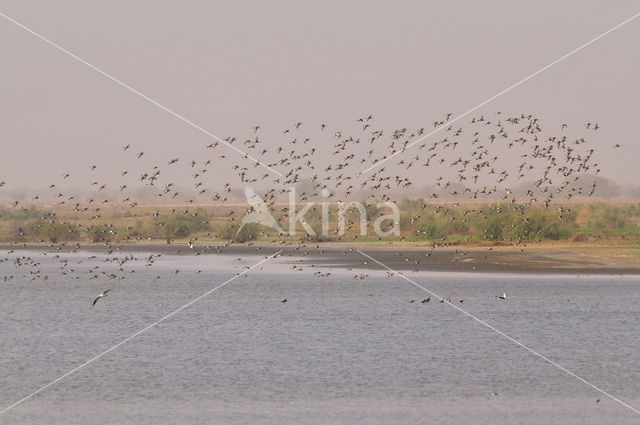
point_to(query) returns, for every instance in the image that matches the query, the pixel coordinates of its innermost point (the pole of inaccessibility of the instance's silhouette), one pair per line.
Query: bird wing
(100, 296)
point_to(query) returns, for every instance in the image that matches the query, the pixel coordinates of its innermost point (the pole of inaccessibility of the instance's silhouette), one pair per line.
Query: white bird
(502, 297)
(102, 295)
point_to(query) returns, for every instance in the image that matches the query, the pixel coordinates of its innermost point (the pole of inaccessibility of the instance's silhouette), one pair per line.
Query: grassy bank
(594, 223)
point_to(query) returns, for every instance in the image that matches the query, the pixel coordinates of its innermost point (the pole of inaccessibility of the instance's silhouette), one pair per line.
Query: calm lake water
(340, 350)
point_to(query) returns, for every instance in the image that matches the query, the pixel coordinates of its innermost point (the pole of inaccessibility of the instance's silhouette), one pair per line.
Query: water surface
(340, 350)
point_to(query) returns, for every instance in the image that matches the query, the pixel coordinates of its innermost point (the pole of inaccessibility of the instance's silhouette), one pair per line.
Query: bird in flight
(102, 295)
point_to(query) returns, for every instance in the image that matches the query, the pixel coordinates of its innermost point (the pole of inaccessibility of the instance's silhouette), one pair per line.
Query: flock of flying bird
(483, 160)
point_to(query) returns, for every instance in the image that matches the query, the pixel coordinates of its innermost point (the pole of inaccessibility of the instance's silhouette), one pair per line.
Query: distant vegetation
(419, 221)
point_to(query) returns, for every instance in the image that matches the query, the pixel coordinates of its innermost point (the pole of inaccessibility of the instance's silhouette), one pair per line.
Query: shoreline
(540, 259)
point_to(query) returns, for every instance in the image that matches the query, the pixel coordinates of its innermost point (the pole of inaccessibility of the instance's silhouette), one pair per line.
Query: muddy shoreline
(398, 257)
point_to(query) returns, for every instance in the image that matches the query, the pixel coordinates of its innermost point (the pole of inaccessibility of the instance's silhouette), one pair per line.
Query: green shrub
(52, 231)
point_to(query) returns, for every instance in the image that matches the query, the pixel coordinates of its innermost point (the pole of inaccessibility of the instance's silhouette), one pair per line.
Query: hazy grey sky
(230, 65)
